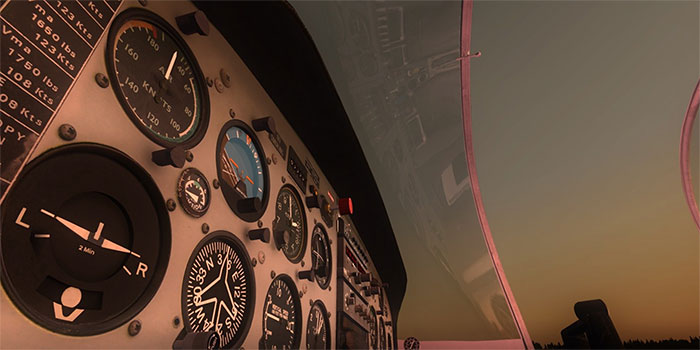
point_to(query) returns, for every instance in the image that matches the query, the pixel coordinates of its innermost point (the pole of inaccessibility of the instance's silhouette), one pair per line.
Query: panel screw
(301, 294)
(269, 161)
(219, 85)
(215, 183)
(284, 179)
(176, 322)
(225, 78)
(261, 257)
(330, 241)
(231, 113)
(254, 262)
(272, 274)
(329, 288)
(143, 2)
(302, 263)
(102, 80)
(328, 314)
(170, 204)
(134, 327)
(274, 158)
(189, 156)
(311, 302)
(67, 132)
(205, 228)
(260, 224)
(210, 82)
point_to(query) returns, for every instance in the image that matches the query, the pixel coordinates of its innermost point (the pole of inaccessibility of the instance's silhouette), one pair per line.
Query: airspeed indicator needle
(170, 66)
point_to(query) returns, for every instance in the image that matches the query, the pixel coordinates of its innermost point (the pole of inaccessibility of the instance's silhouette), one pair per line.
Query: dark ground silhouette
(690, 343)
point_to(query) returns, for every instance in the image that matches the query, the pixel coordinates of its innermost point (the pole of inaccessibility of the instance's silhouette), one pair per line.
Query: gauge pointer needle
(85, 234)
(170, 66)
(193, 196)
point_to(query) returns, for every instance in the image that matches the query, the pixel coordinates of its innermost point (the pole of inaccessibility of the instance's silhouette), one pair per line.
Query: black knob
(249, 205)
(282, 238)
(262, 234)
(306, 275)
(365, 277)
(170, 156)
(312, 201)
(197, 340)
(380, 313)
(264, 124)
(193, 22)
(387, 323)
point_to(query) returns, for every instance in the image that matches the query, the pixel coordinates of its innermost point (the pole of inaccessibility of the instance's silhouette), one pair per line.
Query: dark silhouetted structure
(594, 328)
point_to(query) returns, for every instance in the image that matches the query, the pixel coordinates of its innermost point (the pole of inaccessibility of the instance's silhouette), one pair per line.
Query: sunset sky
(577, 110)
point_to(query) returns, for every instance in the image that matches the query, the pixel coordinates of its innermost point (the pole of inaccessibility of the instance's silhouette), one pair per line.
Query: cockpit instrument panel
(163, 212)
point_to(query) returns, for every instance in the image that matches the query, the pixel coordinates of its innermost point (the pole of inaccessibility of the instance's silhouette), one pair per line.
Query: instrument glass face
(157, 79)
(90, 256)
(218, 291)
(372, 328)
(193, 192)
(321, 256)
(242, 170)
(318, 328)
(281, 315)
(289, 225)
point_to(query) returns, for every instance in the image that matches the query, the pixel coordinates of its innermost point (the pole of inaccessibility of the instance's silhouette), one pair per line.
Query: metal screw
(272, 274)
(210, 82)
(328, 314)
(176, 322)
(102, 80)
(261, 257)
(274, 158)
(189, 156)
(253, 262)
(284, 179)
(269, 161)
(304, 288)
(231, 113)
(315, 221)
(143, 2)
(219, 85)
(170, 204)
(329, 288)
(311, 302)
(134, 327)
(260, 224)
(215, 183)
(302, 263)
(67, 132)
(205, 228)
(330, 241)
(301, 294)
(225, 78)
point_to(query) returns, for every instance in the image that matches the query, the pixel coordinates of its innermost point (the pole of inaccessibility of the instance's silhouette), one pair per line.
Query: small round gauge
(289, 226)
(157, 79)
(242, 171)
(318, 327)
(382, 334)
(193, 192)
(281, 315)
(88, 257)
(321, 256)
(372, 328)
(218, 291)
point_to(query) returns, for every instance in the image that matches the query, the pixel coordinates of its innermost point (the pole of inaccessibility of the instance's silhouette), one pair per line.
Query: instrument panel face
(103, 245)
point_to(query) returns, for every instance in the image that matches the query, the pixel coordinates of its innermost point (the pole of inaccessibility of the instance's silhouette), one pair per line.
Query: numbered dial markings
(318, 327)
(281, 315)
(193, 192)
(90, 256)
(219, 289)
(290, 224)
(242, 170)
(157, 79)
(321, 256)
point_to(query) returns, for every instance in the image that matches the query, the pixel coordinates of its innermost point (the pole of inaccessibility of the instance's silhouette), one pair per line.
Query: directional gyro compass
(85, 240)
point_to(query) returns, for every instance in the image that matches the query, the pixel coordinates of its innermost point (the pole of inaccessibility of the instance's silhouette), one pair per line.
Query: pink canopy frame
(686, 135)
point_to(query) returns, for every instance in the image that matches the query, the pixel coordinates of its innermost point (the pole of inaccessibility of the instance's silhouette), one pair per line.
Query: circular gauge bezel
(203, 92)
(326, 240)
(90, 185)
(326, 321)
(304, 232)
(239, 247)
(296, 303)
(373, 326)
(231, 195)
(181, 192)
